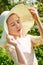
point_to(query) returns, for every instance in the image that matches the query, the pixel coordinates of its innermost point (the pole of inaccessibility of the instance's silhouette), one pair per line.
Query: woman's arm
(15, 53)
(36, 40)
(20, 55)
(36, 18)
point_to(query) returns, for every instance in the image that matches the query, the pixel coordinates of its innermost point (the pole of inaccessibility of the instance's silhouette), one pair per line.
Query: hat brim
(25, 17)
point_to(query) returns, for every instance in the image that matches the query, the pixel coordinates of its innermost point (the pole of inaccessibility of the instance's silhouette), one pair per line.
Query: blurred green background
(38, 4)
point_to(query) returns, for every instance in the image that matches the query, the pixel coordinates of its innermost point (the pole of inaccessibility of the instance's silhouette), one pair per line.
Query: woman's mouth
(19, 30)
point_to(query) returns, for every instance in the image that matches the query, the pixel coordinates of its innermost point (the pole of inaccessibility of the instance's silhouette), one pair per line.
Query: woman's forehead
(13, 17)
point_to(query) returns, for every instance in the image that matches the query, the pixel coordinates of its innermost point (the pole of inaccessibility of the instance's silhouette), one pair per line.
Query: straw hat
(25, 16)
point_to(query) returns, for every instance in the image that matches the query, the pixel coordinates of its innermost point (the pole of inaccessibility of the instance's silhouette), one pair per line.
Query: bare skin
(36, 18)
(38, 39)
(14, 25)
(16, 29)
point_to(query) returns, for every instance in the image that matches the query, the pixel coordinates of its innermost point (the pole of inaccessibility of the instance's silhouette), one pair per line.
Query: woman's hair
(11, 15)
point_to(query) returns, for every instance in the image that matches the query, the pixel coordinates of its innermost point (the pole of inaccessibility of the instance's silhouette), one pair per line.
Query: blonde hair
(11, 15)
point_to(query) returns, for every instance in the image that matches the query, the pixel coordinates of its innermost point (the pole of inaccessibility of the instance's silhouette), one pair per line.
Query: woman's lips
(19, 30)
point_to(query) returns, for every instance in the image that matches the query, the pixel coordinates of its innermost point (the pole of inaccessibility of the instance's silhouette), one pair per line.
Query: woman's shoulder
(28, 36)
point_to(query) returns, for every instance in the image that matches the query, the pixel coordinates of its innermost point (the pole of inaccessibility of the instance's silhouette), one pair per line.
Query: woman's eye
(13, 24)
(18, 22)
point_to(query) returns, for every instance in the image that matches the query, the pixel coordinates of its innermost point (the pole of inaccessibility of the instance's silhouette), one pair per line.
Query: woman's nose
(17, 25)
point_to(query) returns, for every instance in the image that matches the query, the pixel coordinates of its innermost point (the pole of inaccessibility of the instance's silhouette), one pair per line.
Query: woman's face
(14, 25)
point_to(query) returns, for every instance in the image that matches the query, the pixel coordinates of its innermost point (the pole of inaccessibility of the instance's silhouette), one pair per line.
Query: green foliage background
(8, 4)
(5, 58)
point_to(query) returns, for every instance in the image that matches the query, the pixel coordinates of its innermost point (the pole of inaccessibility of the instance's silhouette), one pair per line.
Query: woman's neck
(17, 36)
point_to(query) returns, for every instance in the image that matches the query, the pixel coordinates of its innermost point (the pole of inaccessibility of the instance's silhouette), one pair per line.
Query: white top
(24, 43)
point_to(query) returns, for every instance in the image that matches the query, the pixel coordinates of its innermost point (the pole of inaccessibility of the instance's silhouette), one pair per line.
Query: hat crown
(25, 17)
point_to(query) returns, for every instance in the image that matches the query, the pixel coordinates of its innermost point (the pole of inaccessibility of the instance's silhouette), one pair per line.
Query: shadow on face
(14, 25)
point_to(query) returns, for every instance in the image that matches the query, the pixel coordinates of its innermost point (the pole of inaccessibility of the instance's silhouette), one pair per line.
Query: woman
(17, 36)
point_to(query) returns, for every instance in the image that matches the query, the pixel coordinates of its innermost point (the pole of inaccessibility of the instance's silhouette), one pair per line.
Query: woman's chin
(16, 35)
